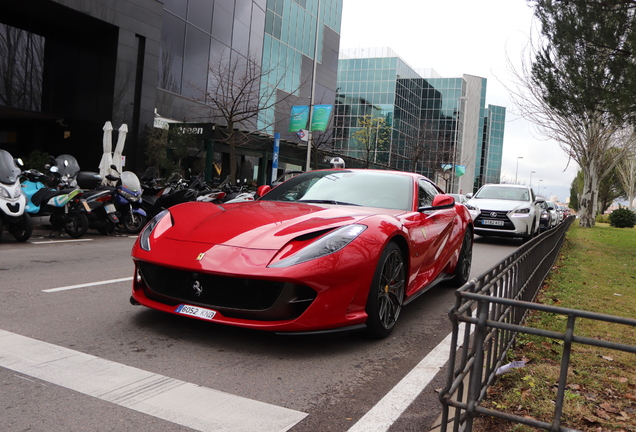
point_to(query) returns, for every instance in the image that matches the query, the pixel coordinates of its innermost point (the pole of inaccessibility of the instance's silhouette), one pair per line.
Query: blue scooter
(64, 206)
(127, 200)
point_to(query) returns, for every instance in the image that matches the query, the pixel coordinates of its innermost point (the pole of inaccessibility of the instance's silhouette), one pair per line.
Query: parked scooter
(128, 202)
(175, 191)
(12, 200)
(100, 208)
(49, 195)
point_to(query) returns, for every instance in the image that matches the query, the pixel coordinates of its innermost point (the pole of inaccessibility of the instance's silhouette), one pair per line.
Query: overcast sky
(456, 37)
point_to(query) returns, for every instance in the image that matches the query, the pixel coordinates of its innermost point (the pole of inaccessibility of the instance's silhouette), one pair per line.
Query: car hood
(260, 224)
(498, 205)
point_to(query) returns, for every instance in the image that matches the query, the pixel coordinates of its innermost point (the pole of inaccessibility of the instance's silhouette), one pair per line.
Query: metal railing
(489, 313)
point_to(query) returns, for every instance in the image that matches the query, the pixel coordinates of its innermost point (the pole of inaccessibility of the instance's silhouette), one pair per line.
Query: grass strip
(595, 271)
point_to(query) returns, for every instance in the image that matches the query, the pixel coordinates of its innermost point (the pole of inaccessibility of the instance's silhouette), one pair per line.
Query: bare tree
(237, 96)
(372, 136)
(21, 68)
(626, 170)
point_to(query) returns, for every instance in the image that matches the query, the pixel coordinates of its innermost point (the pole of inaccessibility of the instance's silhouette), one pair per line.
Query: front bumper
(320, 295)
(503, 223)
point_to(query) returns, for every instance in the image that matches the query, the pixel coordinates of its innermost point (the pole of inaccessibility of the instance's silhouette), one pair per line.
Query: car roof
(506, 185)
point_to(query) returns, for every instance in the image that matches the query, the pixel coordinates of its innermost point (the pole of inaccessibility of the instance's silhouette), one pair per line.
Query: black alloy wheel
(386, 294)
(76, 225)
(22, 229)
(462, 270)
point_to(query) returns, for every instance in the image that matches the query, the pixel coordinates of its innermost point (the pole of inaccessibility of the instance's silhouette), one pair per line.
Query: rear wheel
(22, 229)
(107, 228)
(462, 271)
(386, 293)
(76, 225)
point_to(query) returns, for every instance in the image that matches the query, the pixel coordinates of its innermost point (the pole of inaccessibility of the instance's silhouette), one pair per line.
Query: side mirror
(262, 190)
(440, 202)
(469, 196)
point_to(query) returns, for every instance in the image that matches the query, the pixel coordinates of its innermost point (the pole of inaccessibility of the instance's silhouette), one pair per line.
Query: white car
(505, 210)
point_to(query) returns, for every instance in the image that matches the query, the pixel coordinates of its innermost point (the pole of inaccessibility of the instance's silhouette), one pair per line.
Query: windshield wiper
(315, 201)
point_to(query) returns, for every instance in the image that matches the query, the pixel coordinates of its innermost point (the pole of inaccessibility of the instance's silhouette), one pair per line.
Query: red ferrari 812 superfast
(328, 250)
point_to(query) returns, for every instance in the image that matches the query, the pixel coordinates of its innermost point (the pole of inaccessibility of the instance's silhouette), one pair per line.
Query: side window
(426, 193)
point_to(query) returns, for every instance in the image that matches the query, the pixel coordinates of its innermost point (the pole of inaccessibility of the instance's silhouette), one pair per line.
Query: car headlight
(326, 245)
(525, 210)
(155, 228)
(471, 207)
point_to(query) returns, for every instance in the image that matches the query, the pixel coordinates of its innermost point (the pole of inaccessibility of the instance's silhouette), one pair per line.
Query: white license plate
(492, 222)
(110, 208)
(195, 311)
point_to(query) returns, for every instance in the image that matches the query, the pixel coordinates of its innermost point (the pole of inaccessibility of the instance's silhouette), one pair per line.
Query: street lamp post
(539, 192)
(517, 170)
(457, 149)
(311, 96)
(531, 172)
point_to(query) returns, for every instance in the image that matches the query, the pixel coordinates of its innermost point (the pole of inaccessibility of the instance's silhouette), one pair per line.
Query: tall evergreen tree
(580, 75)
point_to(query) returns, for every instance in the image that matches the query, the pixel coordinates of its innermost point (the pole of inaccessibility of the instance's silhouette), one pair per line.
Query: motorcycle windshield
(9, 171)
(130, 181)
(71, 168)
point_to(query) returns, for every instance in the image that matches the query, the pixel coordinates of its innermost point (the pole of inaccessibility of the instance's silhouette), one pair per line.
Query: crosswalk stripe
(176, 401)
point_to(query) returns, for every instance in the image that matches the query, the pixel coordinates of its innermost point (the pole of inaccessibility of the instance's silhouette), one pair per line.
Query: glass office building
(387, 114)
(282, 37)
(490, 169)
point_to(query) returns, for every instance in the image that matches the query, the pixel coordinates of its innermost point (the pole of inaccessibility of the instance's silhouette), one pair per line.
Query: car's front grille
(494, 219)
(234, 297)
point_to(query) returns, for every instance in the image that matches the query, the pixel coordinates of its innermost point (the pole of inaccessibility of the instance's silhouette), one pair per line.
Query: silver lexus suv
(505, 210)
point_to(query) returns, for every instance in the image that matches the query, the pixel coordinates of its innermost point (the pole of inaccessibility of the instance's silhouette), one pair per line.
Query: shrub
(622, 218)
(601, 218)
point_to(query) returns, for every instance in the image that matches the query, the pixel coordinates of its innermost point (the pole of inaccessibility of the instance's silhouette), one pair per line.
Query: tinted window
(363, 188)
(200, 13)
(426, 193)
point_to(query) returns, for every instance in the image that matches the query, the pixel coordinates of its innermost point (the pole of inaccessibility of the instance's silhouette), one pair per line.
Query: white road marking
(61, 241)
(180, 402)
(392, 405)
(70, 287)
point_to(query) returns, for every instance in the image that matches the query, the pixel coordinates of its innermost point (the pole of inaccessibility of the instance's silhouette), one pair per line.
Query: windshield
(71, 168)
(360, 188)
(503, 193)
(9, 171)
(130, 181)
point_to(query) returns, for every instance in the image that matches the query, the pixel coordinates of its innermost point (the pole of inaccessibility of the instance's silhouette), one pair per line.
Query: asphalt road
(326, 383)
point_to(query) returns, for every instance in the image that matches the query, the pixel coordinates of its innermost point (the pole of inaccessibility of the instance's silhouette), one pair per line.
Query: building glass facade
(297, 33)
(496, 125)
(197, 34)
(435, 126)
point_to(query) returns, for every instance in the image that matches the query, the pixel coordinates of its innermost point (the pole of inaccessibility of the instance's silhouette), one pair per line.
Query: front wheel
(22, 229)
(533, 233)
(76, 225)
(386, 293)
(134, 222)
